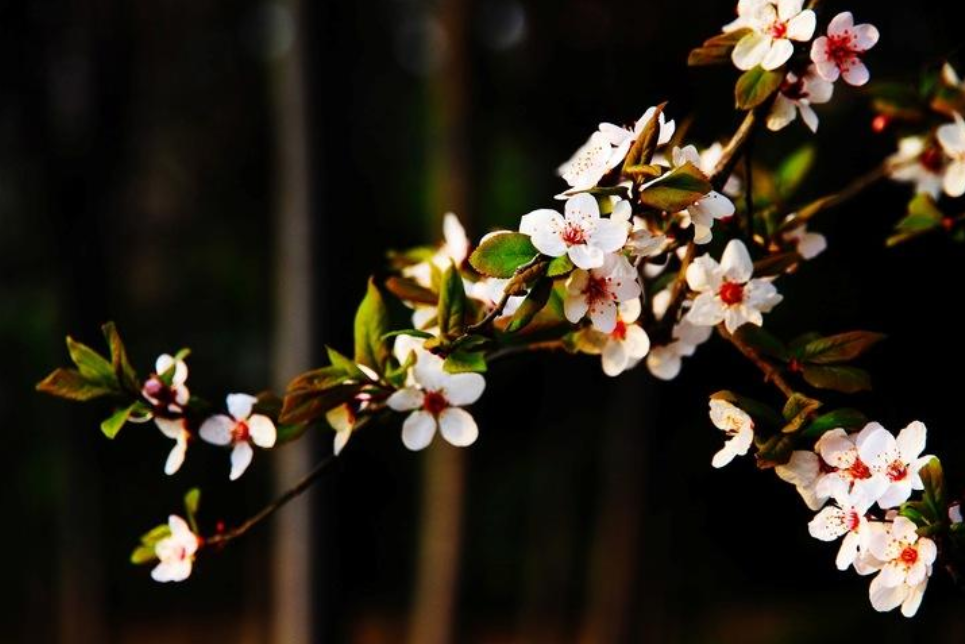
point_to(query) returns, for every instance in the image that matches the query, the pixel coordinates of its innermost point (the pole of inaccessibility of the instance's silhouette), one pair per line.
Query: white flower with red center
(846, 472)
(726, 291)
(839, 53)
(175, 552)
(737, 425)
(906, 564)
(454, 250)
(898, 461)
(599, 291)
(435, 400)
(951, 136)
(489, 291)
(702, 213)
(919, 163)
(773, 25)
(807, 244)
(241, 429)
(798, 94)
(622, 138)
(582, 234)
(641, 241)
(588, 164)
(665, 361)
(175, 429)
(167, 398)
(803, 470)
(627, 344)
(848, 519)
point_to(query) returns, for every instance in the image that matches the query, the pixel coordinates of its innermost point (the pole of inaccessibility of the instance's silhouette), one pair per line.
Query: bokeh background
(225, 175)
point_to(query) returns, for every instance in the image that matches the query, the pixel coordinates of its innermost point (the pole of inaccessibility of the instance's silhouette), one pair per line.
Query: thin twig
(484, 323)
(505, 352)
(847, 193)
(222, 538)
(771, 373)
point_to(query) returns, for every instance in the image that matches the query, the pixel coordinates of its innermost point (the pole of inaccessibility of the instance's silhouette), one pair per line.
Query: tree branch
(771, 373)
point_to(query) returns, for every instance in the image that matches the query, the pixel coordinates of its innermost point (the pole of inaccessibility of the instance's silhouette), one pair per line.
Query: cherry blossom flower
(709, 158)
(167, 398)
(807, 244)
(846, 472)
(951, 136)
(705, 210)
(435, 399)
(454, 250)
(588, 164)
(641, 241)
(582, 234)
(798, 94)
(897, 461)
(919, 163)
(344, 420)
(665, 361)
(773, 24)
(175, 552)
(489, 291)
(906, 564)
(240, 430)
(726, 291)
(622, 138)
(803, 470)
(738, 426)
(176, 430)
(848, 519)
(839, 53)
(597, 292)
(624, 347)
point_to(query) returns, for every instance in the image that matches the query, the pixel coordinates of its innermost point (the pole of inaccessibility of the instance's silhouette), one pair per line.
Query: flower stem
(771, 373)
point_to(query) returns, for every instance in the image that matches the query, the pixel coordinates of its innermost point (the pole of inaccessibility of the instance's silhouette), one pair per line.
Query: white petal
(464, 388)
(664, 363)
(877, 448)
(170, 427)
(723, 457)
(801, 27)
(603, 315)
(429, 372)
(630, 310)
(782, 113)
(457, 243)
(848, 551)
(951, 136)
(575, 307)
(809, 116)
(802, 468)
(582, 209)
(750, 50)
(841, 23)
(707, 310)
(736, 262)
(418, 430)
(828, 524)
(608, 235)
(856, 73)
(585, 257)
(217, 430)
(240, 459)
(703, 274)
(614, 358)
(637, 342)
(172, 571)
(909, 607)
(810, 245)
(262, 431)
(176, 457)
(779, 53)
(885, 598)
(954, 181)
(866, 36)
(458, 427)
(239, 405)
(927, 551)
(406, 399)
(341, 440)
(911, 441)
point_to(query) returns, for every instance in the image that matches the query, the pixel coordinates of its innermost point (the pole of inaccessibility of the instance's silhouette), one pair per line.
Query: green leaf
(559, 266)
(409, 290)
(797, 411)
(847, 419)
(143, 555)
(415, 333)
(759, 411)
(465, 361)
(112, 425)
(346, 364)
(191, 502)
(842, 347)
(793, 170)
(371, 324)
(775, 451)
(757, 85)
(499, 255)
(934, 495)
(120, 363)
(676, 190)
(309, 404)
(92, 365)
(537, 298)
(70, 384)
(762, 340)
(923, 216)
(318, 378)
(452, 304)
(290, 432)
(716, 50)
(641, 152)
(841, 378)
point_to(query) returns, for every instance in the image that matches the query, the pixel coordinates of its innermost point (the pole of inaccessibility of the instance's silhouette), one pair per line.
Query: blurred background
(225, 175)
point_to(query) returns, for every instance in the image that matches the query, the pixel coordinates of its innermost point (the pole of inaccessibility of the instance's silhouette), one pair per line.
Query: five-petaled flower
(240, 430)
(839, 53)
(951, 136)
(625, 346)
(803, 470)
(905, 566)
(738, 426)
(848, 519)
(845, 473)
(726, 291)
(582, 234)
(922, 164)
(622, 138)
(702, 213)
(165, 388)
(597, 292)
(798, 94)
(773, 25)
(175, 552)
(435, 399)
(807, 244)
(897, 461)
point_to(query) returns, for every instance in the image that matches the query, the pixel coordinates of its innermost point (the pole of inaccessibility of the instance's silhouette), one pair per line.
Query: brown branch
(850, 191)
(547, 345)
(771, 373)
(487, 321)
(222, 538)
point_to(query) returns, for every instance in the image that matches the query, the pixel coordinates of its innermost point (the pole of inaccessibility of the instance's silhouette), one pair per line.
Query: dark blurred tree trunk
(292, 561)
(437, 576)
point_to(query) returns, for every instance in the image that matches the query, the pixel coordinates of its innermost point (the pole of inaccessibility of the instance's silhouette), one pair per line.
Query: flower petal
(458, 427)
(801, 27)
(176, 457)
(418, 430)
(582, 209)
(262, 431)
(608, 235)
(856, 73)
(841, 23)
(736, 262)
(750, 50)
(240, 459)
(585, 256)
(406, 399)
(885, 598)
(239, 405)
(217, 430)
(464, 388)
(779, 53)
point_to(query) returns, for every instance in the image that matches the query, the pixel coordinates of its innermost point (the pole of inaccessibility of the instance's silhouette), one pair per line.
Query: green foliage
(371, 325)
(924, 216)
(756, 86)
(462, 361)
(409, 290)
(501, 254)
(451, 312)
(95, 376)
(559, 266)
(793, 170)
(537, 298)
(192, 500)
(120, 364)
(636, 163)
(70, 384)
(930, 513)
(841, 378)
(112, 425)
(144, 553)
(847, 419)
(674, 191)
(798, 410)
(842, 347)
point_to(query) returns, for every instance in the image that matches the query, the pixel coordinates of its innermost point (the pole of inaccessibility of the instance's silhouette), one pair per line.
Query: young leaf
(92, 365)
(70, 384)
(934, 495)
(112, 425)
(757, 85)
(371, 323)
(674, 191)
(797, 411)
(120, 363)
(452, 304)
(308, 405)
(465, 361)
(841, 378)
(143, 555)
(923, 216)
(641, 152)
(409, 290)
(537, 298)
(501, 254)
(793, 170)
(716, 50)
(559, 266)
(842, 347)
(847, 419)
(340, 361)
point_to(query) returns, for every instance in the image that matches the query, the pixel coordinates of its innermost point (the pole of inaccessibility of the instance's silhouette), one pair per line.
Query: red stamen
(897, 471)
(240, 432)
(434, 402)
(573, 235)
(859, 470)
(731, 293)
(909, 556)
(840, 50)
(932, 159)
(853, 520)
(619, 331)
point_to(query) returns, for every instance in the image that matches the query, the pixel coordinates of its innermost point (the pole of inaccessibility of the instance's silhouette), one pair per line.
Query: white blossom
(807, 244)
(898, 461)
(848, 518)
(597, 292)
(906, 564)
(803, 470)
(176, 430)
(709, 158)
(726, 291)
(454, 250)
(665, 361)
(175, 552)
(951, 136)
(624, 347)
(920, 164)
(737, 425)
(796, 95)
(846, 473)
(588, 164)
(582, 234)
(622, 139)
(436, 400)
(168, 398)
(240, 429)
(773, 24)
(702, 213)
(839, 53)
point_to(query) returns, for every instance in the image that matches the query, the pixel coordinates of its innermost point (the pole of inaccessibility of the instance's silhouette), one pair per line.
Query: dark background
(139, 181)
